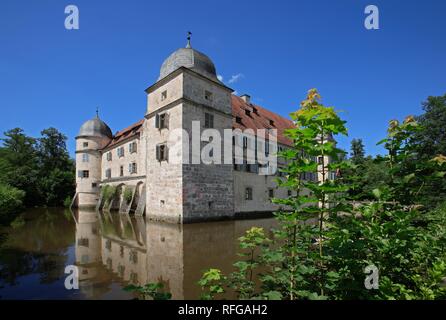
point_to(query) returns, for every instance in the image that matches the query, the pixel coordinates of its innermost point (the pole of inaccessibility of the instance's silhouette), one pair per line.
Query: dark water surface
(111, 251)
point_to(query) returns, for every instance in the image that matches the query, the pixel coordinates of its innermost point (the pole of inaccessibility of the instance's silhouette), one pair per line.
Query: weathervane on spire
(189, 34)
(97, 112)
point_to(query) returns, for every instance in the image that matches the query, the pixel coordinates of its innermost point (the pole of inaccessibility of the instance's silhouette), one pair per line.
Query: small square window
(248, 194)
(133, 256)
(83, 174)
(85, 144)
(320, 160)
(271, 193)
(94, 185)
(208, 95)
(164, 95)
(121, 171)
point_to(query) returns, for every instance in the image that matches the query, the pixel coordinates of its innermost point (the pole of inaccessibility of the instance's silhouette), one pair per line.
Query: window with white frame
(133, 147)
(109, 156)
(120, 152)
(132, 167)
(83, 173)
(85, 157)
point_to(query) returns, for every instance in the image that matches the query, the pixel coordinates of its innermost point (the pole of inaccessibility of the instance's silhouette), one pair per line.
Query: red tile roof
(259, 119)
(255, 120)
(128, 132)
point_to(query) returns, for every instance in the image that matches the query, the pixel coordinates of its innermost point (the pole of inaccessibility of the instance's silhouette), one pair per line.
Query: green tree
(430, 142)
(432, 139)
(56, 168)
(392, 233)
(19, 164)
(39, 167)
(357, 153)
(11, 202)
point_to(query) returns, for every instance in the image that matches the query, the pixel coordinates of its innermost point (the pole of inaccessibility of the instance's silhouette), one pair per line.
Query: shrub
(67, 202)
(11, 202)
(108, 193)
(128, 194)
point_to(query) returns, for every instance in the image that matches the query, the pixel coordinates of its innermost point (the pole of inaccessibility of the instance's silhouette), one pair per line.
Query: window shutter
(166, 153)
(158, 153)
(166, 120)
(206, 120)
(211, 121)
(79, 173)
(157, 121)
(135, 148)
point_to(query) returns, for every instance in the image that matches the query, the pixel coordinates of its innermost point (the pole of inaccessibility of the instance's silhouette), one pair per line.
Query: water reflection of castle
(118, 248)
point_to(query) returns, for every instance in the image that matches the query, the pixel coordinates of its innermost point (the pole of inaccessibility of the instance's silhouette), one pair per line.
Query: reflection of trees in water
(39, 246)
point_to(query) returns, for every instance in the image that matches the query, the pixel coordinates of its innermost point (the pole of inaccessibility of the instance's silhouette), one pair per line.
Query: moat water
(111, 251)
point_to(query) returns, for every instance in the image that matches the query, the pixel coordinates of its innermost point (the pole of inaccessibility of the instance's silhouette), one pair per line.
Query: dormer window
(271, 122)
(164, 95)
(238, 119)
(255, 110)
(248, 113)
(208, 95)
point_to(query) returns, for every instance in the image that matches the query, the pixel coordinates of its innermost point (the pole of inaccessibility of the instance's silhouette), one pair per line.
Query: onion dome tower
(93, 136)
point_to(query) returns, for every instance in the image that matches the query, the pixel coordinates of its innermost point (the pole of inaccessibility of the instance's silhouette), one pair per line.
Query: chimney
(246, 98)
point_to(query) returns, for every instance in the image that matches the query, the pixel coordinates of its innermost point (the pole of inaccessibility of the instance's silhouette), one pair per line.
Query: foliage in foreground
(150, 291)
(39, 167)
(321, 251)
(11, 202)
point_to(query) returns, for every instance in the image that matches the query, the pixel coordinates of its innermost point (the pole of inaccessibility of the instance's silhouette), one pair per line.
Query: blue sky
(50, 76)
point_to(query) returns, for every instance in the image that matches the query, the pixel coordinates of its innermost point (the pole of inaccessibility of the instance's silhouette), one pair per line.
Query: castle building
(137, 163)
